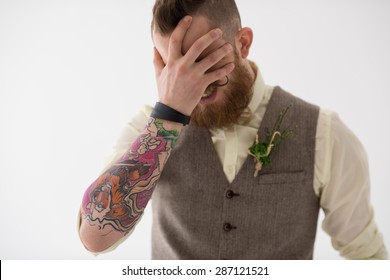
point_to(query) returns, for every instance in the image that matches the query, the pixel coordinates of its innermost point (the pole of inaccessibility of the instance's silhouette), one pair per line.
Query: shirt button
(230, 194)
(228, 227)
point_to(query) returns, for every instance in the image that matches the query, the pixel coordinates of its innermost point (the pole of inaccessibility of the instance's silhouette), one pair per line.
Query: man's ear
(244, 38)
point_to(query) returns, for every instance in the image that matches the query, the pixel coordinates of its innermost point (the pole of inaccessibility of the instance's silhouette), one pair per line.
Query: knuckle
(181, 69)
(170, 63)
(173, 40)
(198, 47)
(215, 34)
(212, 58)
(193, 76)
(227, 48)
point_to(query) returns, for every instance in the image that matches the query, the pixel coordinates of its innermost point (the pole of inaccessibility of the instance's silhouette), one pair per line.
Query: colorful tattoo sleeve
(118, 197)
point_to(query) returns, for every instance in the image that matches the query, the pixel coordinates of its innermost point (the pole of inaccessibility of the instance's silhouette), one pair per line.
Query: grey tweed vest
(198, 214)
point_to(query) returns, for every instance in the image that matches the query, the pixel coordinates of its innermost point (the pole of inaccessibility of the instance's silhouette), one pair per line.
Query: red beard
(236, 98)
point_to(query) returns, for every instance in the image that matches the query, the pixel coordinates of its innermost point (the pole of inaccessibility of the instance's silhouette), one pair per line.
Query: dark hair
(220, 13)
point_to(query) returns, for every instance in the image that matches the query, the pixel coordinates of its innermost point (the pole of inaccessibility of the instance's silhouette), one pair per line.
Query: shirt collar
(258, 92)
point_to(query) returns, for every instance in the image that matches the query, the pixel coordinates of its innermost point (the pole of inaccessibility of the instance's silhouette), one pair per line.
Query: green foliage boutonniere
(261, 151)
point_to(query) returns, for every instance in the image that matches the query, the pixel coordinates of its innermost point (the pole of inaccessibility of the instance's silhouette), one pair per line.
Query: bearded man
(237, 169)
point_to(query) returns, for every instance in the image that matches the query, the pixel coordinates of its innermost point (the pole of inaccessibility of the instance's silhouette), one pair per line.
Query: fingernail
(187, 19)
(229, 47)
(218, 32)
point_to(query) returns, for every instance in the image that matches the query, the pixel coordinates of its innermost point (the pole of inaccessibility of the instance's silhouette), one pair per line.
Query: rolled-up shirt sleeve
(342, 182)
(129, 133)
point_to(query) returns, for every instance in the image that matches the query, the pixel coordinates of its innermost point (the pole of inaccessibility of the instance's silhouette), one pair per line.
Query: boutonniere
(262, 150)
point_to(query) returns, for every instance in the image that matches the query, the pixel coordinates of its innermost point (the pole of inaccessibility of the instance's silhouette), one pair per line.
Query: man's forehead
(198, 28)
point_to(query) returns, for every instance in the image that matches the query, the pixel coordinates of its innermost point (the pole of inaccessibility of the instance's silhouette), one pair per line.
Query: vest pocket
(281, 178)
(278, 185)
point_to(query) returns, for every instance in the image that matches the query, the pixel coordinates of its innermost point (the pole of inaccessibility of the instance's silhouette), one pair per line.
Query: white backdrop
(73, 72)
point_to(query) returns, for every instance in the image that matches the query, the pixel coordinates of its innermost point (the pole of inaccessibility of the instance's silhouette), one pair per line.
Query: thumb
(158, 62)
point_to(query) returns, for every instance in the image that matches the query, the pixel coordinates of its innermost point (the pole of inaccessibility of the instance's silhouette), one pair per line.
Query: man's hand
(182, 80)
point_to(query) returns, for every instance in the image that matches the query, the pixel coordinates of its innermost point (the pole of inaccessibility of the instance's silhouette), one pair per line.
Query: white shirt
(341, 174)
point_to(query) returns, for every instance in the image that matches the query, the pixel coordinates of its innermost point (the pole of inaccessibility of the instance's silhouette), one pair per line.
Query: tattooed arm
(113, 204)
(115, 201)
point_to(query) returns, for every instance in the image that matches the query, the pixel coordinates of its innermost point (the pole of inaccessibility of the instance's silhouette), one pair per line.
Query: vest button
(230, 194)
(228, 227)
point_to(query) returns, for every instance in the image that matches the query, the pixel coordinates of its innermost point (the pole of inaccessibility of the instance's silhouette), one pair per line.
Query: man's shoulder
(290, 97)
(328, 119)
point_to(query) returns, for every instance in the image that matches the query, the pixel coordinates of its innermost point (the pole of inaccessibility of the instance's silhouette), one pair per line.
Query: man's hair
(219, 13)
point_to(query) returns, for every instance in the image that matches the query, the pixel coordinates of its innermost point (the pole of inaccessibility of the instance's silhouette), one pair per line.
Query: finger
(201, 44)
(213, 58)
(158, 62)
(219, 73)
(176, 39)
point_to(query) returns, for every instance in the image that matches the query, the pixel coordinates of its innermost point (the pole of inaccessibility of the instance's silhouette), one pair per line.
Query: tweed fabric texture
(272, 216)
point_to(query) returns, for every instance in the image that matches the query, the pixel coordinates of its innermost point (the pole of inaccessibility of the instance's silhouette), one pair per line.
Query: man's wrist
(164, 112)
